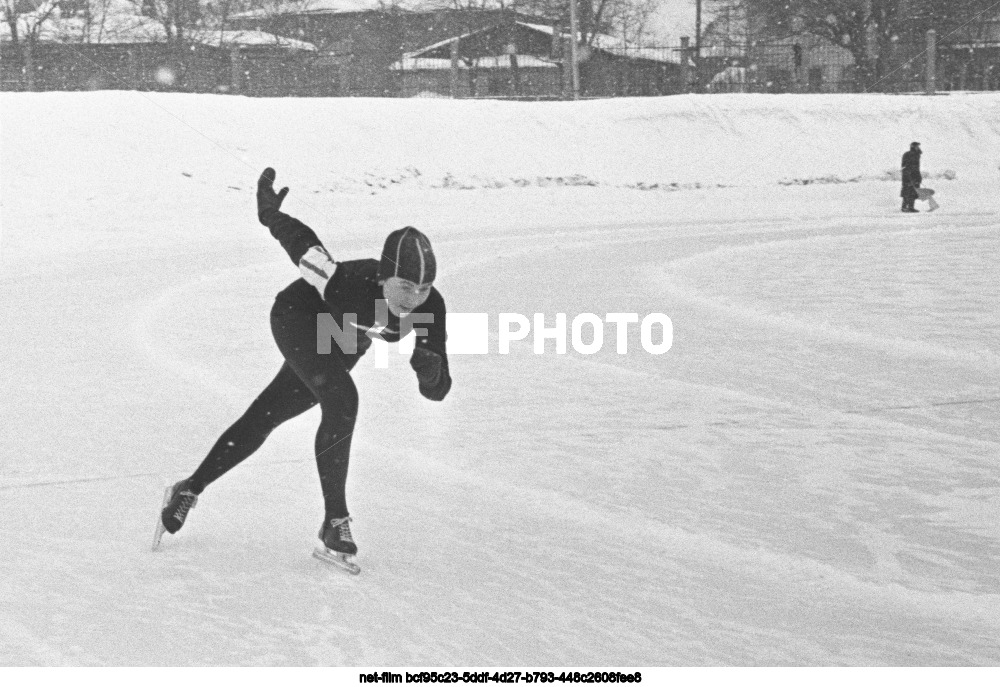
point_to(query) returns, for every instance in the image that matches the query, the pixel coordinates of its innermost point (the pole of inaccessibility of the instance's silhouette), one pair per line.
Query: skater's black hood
(407, 254)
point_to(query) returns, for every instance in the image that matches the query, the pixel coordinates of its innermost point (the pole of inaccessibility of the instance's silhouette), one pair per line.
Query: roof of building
(131, 29)
(601, 42)
(484, 62)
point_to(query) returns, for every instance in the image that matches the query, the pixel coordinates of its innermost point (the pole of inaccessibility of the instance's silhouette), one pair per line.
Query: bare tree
(627, 18)
(267, 11)
(596, 17)
(176, 17)
(448, 4)
(633, 19)
(94, 15)
(863, 27)
(275, 7)
(952, 17)
(960, 24)
(218, 13)
(868, 29)
(180, 18)
(98, 21)
(27, 17)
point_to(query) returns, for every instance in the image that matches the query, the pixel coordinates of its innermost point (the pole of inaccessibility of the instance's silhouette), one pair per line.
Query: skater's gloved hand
(427, 365)
(268, 202)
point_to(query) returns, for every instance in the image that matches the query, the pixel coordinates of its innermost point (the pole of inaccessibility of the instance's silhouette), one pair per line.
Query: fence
(257, 71)
(602, 75)
(802, 64)
(809, 65)
(793, 65)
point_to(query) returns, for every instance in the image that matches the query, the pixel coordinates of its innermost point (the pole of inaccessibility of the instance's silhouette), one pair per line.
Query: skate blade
(338, 560)
(160, 529)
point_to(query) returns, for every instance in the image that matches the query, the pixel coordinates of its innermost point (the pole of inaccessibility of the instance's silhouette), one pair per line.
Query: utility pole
(574, 34)
(930, 77)
(872, 48)
(453, 85)
(870, 35)
(697, 46)
(685, 55)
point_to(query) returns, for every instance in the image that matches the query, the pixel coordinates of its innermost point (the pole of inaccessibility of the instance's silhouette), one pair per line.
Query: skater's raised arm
(299, 241)
(295, 237)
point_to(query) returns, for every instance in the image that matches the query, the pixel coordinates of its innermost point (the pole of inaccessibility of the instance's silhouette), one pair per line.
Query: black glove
(268, 202)
(427, 365)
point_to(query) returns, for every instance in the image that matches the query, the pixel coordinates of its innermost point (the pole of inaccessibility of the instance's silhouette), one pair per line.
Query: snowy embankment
(809, 476)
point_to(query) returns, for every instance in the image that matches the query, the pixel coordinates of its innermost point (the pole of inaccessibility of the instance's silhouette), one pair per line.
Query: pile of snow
(661, 143)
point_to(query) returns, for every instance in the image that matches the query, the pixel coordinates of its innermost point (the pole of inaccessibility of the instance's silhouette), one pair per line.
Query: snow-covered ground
(808, 477)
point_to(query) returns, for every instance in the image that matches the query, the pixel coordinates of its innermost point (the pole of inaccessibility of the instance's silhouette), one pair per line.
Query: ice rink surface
(809, 476)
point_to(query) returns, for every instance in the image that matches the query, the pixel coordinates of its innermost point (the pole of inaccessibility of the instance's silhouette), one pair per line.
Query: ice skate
(177, 501)
(337, 545)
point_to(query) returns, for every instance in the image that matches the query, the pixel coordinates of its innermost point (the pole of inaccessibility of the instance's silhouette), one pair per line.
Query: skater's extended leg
(327, 376)
(339, 403)
(284, 398)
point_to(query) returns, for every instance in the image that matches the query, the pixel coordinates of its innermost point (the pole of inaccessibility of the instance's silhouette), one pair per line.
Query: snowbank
(663, 143)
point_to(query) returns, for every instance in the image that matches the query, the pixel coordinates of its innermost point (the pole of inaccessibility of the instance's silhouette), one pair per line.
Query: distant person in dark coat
(911, 177)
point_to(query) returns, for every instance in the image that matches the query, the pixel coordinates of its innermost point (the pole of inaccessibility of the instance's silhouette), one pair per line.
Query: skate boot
(336, 536)
(337, 545)
(179, 500)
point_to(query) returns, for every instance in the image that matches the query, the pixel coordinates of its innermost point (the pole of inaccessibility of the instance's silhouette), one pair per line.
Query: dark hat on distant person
(914, 145)
(407, 254)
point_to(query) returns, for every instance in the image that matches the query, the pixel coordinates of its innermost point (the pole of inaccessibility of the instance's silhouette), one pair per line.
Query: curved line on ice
(860, 417)
(701, 546)
(893, 346)
(144, 325)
